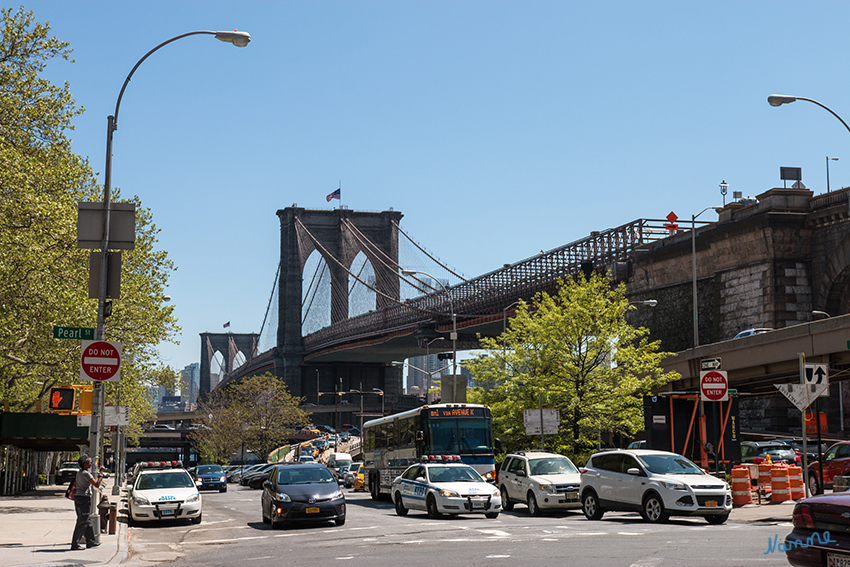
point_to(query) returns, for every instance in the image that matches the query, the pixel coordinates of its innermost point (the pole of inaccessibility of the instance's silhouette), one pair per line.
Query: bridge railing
(490, 293)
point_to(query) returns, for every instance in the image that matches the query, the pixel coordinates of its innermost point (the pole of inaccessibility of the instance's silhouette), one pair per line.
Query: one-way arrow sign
(710, 364)
(802, 395)
(817, 374)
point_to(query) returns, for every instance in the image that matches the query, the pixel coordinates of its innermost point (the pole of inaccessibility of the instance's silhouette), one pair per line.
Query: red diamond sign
(100, 361)
(713, 386)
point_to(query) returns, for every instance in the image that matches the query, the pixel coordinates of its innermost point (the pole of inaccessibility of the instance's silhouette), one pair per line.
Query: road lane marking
(497, 557)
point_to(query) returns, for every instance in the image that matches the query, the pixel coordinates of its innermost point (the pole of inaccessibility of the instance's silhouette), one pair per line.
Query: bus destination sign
(456, 412)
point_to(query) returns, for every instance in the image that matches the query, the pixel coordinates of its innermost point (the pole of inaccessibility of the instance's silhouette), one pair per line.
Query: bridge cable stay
(312, 295)
(271, 297)
(457, 275)
(392, 266)
(316, 242)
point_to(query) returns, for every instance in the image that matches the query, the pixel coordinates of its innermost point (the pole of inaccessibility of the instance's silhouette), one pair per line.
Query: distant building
(189, 385)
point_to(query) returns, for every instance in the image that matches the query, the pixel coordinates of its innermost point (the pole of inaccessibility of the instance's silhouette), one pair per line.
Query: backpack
(72, 490)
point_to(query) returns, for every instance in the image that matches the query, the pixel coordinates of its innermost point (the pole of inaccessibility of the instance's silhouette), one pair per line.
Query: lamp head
(408, 272)
(397, 363)
(237, 38)
(779, 100)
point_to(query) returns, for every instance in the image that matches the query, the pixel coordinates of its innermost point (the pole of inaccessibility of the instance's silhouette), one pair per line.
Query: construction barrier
(764, 476)
(795, 479)
(741, 488)
(779, 483)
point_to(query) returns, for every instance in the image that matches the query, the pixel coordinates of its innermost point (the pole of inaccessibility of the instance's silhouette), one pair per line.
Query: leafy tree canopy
(576, 350)
(43, 275)
(258, 411)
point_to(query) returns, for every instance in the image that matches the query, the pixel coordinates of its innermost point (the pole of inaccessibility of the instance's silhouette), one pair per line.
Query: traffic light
(61, 399)
(445, 356)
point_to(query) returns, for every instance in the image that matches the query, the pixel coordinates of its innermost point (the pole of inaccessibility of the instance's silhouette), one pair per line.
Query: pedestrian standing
(82, 504)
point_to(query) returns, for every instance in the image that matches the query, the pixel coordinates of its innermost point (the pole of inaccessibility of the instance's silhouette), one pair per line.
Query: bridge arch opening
(361, 299)
(835, 284)
(315, 294)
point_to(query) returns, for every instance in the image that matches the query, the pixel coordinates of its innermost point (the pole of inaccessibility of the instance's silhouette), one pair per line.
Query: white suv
(657, 484)
(542, 481)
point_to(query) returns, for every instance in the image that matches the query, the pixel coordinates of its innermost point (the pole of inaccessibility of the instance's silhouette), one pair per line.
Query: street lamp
(694, 265)
(380, 393)
(827, 170)
(779, 100)
(648, 302)
(454, 325)
(237, 38)
(428, 364)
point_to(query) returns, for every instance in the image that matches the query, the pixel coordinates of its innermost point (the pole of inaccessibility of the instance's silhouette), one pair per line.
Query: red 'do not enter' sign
(713, 386)
(100, 361)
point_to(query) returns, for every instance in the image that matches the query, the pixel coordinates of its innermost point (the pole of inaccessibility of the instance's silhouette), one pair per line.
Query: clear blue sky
(497, 128)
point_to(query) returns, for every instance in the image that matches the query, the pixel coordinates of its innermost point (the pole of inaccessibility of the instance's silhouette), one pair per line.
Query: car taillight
(758, 460)
(802, 517)
(582, 470)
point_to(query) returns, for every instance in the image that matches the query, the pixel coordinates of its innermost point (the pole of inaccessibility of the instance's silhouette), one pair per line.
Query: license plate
(711, 503)
(167, 512)
(479, 505)
(314, 510)
(572, 496)
(833, 560)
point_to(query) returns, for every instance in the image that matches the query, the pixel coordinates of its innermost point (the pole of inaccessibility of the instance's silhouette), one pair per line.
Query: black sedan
(302, 492)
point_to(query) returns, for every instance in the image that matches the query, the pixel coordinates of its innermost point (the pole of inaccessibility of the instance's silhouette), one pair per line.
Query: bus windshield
(451, 436)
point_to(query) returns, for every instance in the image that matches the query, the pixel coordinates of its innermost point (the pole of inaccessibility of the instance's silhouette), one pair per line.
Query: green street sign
(73, 333)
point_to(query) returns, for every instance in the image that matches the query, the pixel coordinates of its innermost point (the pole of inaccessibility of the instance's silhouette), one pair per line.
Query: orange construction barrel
(795, 479)
(741, 489)
(764, 475)
(780, 485)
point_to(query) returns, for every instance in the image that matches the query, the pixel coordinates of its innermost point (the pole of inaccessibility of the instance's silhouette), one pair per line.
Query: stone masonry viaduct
(768, 264)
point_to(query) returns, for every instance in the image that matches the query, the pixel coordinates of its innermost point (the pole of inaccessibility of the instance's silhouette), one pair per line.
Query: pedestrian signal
(86, 401)
(61, 399)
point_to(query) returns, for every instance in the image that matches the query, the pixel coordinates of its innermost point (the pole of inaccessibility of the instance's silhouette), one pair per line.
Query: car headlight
(283, 497)
(673, 485)
(223, 479)
(337, 494)
(141, 501)
(489, 475)
(193, 498)
(497, 492)
(448, 493)
(547, 488)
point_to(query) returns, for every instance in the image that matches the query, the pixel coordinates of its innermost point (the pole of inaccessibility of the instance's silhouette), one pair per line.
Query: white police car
(445, 487)
(164, 491)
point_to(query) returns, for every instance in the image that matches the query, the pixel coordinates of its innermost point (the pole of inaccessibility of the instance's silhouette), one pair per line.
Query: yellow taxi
(354, 477)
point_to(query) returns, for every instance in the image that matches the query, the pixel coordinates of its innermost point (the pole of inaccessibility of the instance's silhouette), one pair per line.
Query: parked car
(297, 493)
(757, 451)
(242, 470)
(819, 536)
(541, 481)
(162, 492)
(811, 447)
(637, 445)
(354, 431)
(836, 462)
(445, 488)
(657, 484)
(210, 477)
(326, 428)
(67, 472)
(749, 332)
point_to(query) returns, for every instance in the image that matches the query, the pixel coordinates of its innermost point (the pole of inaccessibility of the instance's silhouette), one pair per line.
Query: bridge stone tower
(338, 236)
(228, 344)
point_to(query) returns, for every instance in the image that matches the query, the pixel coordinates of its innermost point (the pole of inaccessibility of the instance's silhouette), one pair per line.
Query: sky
(497, 128)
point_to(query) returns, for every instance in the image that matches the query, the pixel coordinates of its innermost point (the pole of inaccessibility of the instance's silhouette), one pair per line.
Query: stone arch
(361, 299)
(834, 292)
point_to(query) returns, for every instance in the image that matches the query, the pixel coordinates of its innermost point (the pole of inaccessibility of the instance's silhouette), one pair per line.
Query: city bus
(392, 443)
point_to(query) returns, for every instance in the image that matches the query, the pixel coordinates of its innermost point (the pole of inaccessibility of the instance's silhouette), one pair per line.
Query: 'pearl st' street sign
(73, 333)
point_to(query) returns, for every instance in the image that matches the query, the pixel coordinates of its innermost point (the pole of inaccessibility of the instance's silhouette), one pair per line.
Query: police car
(164, 491)
(445, 486)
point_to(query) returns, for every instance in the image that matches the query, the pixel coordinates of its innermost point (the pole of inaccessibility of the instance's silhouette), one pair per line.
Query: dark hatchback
(821, 534)
(210, 477)
(302, 492)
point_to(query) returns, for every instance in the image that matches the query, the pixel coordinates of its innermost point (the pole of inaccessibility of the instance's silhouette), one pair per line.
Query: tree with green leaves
(257, 411)
(577, 350)
(43, 275)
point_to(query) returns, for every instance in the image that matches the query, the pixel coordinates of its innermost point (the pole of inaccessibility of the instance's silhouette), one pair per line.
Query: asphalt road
(233, 533)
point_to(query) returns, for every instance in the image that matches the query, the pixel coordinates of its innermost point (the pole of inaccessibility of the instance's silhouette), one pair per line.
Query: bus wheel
(374, 488)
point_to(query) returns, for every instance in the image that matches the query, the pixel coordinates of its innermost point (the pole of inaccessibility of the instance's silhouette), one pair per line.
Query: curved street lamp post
(237, 38)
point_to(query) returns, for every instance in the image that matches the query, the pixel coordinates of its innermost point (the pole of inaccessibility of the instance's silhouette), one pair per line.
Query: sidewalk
(36, 529)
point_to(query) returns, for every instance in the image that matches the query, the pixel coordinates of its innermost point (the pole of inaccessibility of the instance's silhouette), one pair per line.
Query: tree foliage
(577, 350)
(258, 411)
(43, 275)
